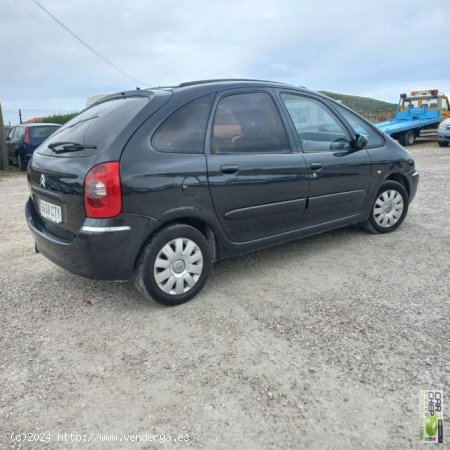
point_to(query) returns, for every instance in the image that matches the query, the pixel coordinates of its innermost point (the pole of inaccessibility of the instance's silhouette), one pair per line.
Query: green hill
(363, 105)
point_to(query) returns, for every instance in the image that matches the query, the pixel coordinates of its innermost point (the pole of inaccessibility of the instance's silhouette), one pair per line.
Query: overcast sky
(369, 48)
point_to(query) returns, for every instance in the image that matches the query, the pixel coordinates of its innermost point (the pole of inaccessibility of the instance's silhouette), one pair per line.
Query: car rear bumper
(104, 249)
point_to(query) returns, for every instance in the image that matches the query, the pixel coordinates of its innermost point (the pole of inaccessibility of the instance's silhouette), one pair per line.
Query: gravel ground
(321, 343)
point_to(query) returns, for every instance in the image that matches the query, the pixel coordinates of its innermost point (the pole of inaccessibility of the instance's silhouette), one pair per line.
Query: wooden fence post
(4, 162)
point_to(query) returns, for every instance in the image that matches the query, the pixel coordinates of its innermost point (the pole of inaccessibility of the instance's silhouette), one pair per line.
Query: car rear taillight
(26, 137)
(102, 191)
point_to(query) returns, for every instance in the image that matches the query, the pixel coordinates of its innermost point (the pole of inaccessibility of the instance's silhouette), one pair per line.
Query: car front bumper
(104, 249)
(443, 135)
(413, 182)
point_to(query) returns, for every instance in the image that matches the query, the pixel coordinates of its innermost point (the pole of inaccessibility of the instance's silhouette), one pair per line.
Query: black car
(158, 184)
(23, 139)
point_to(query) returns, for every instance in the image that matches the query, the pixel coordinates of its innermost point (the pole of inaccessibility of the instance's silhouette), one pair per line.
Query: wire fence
(379, 117)
(13, 117)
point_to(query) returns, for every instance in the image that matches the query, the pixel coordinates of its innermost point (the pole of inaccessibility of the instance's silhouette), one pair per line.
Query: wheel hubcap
(388, 208)
(178, 266)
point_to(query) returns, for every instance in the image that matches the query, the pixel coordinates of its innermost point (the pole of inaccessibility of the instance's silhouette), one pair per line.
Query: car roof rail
(221, 80)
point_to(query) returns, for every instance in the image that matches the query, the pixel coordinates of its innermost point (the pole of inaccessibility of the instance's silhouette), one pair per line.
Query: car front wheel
(174, 266)
(443, 143)
(389, 208)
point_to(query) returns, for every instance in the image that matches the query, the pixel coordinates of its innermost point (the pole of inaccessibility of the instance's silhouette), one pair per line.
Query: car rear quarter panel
(161, 185)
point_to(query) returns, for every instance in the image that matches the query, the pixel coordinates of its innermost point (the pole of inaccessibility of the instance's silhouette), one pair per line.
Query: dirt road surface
(322, 343)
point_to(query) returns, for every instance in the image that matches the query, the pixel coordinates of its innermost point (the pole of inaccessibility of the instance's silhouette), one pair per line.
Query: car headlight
(442, 125)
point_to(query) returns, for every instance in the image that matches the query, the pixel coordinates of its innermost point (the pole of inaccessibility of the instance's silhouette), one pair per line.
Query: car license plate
(50, 211)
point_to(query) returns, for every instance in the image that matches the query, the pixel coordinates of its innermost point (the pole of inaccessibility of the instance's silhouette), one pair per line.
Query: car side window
(318, 129)
(184, 131)
(360, 127)
(20, 132)
(248, 123)
(11, 133)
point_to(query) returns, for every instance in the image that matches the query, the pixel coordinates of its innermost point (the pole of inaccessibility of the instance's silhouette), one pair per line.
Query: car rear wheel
(174, 265)
(443, 143)
(389, 208)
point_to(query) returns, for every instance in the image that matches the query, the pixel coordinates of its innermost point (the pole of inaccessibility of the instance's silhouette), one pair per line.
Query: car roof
(193, 89)
(225, 83)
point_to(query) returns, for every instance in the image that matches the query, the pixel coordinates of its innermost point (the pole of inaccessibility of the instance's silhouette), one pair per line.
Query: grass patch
(59, 118)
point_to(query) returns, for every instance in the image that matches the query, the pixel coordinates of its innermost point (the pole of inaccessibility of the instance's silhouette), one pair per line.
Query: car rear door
(257, 182)
(339, 176)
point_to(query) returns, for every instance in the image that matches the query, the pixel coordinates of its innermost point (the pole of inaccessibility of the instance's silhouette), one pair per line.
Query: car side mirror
(8, 138)
(360, 142)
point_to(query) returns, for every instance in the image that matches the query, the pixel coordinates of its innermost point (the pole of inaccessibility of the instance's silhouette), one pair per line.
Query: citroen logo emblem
(42, 181)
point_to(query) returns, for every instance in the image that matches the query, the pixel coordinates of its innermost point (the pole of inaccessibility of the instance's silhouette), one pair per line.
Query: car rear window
(41, 132)
(97, 126)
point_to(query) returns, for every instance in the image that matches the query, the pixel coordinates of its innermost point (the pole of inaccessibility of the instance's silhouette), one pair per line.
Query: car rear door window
(248, 123)
(360, 127)
(184, 131)
(317, 127)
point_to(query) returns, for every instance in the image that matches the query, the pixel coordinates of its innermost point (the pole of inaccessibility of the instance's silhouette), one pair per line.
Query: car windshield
(426, 102)
(42, 132)
(409, 103)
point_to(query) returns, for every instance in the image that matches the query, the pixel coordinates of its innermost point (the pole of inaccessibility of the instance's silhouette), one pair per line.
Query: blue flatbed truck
(419, 112)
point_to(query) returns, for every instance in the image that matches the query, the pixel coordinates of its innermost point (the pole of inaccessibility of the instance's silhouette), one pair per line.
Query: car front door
(339, 176)
(258, 184)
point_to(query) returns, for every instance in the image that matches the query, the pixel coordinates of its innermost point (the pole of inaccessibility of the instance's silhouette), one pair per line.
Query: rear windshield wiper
(69, 147)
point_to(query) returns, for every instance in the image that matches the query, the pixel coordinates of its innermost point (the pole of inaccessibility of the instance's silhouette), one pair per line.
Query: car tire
(174, 266)
(443, 143)
(408, 138)
(20, 163)
(389, 208)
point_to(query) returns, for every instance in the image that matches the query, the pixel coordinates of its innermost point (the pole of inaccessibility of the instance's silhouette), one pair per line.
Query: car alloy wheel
(388, 208)
(178, 266)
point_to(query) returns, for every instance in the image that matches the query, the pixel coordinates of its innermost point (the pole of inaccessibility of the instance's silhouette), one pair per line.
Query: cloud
(355, 47)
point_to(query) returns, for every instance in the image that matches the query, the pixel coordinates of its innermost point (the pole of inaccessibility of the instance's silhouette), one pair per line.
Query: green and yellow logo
(431, 425)
(431, 409)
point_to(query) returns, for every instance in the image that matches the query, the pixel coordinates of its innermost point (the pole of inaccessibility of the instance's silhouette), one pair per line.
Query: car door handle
(316, 166)
(229, 169)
